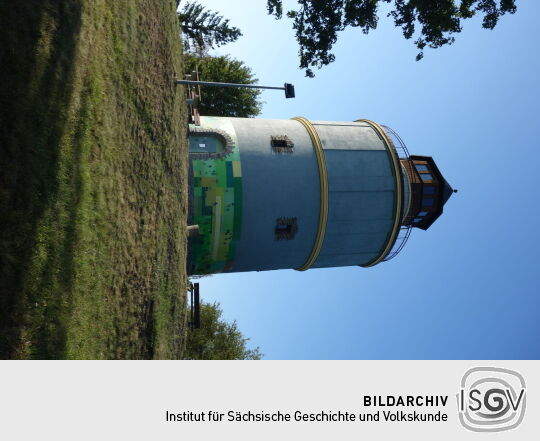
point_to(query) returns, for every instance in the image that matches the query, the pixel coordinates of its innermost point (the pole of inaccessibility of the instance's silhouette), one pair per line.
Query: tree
(317, 23)
(203, 29)
(225, 101)
(217, 339)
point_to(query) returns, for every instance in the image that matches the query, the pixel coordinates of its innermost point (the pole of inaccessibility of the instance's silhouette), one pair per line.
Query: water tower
(275, 194)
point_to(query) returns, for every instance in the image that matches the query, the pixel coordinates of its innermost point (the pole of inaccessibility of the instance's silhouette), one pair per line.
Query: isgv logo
(491, 399)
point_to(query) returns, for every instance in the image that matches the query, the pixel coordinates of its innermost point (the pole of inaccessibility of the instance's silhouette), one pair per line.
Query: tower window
(429, 189)
(426, 176)
(421, 167)
(205, 143)
(427, 202)
(286, 228)
(281, 144)
(422, 213)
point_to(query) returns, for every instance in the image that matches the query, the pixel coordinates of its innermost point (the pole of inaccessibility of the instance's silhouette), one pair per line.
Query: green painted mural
(217, 199)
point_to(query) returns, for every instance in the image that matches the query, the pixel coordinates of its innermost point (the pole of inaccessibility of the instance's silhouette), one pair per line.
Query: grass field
(93, 168)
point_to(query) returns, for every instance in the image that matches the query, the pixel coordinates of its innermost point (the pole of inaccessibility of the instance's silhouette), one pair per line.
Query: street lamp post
(287, 87)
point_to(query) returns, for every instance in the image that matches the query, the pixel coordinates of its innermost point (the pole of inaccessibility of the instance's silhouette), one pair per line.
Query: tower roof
(447, 191)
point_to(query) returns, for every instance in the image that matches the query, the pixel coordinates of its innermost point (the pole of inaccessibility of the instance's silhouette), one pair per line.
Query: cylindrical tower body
(275, 194)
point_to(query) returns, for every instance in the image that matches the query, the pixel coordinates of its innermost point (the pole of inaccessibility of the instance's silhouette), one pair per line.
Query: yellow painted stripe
(398, 194)
(323, 186)
(237, 171)
(217, 228)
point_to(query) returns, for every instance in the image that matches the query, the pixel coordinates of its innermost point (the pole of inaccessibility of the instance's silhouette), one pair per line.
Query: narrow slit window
(286, 228)
(281, 144)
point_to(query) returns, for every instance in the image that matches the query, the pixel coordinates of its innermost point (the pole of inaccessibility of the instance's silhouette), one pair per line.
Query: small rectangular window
(417, 220)
(427, 202)
(281, 144)
(421, 167)
(286, 228)
(429, 189)
(422, 213)
(426, 176)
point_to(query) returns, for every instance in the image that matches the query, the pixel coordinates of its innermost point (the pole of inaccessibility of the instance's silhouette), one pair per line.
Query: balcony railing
(405, 230)
(398, 144)
(401, 240)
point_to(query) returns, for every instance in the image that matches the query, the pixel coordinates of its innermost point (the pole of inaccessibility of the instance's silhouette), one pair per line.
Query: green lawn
(93, 168)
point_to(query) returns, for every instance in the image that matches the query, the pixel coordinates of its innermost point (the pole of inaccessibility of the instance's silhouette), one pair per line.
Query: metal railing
(398, 144)
(401, 240)
(405, 230)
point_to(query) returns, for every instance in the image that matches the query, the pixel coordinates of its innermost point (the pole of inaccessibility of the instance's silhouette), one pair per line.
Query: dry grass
(93, 199)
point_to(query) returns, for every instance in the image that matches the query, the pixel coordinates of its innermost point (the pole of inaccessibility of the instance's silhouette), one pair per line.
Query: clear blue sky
(469, 287)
